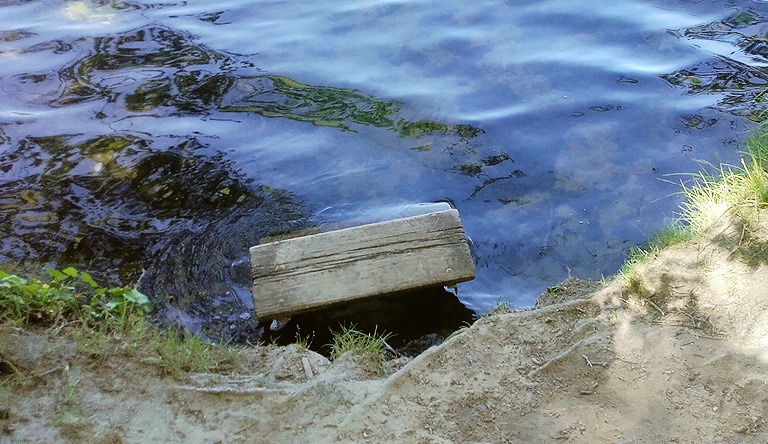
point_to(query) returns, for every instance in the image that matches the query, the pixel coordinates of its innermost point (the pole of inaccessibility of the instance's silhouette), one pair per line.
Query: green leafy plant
(70, 295)
(103, 320)
(28, 300)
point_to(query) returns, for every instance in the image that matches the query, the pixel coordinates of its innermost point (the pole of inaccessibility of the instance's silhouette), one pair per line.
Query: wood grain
(297, 275)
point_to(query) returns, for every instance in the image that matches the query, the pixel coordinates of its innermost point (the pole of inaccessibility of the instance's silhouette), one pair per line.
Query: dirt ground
(680, 356)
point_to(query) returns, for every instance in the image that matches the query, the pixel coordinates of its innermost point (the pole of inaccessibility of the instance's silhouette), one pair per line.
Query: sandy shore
(680, 355)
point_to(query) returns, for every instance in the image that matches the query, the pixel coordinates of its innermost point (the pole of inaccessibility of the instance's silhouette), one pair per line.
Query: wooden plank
(297, 275)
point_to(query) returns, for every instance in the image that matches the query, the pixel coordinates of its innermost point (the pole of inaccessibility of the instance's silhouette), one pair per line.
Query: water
(153, 142)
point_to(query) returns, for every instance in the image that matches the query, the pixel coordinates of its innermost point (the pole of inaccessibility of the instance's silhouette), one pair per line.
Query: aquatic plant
(184, 87)
(279, 96)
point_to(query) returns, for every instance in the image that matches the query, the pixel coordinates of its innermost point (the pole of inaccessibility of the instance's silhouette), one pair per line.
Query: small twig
(307, 367)
(138, 281)
(229, 390)
(57, 329)
(59, 317)
(53, 370)
(656, 307)
(557, 358)
(626, 361)
(247, 427)
(587, 359)
(714, 335)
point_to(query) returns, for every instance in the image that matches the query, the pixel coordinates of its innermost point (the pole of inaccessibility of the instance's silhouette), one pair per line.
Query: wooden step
(297, 275)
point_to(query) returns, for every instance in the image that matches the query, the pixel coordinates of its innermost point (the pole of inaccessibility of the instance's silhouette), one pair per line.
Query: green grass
(103, 321)
(739, 190)
(713, 199)
(673, 233)
(179, 354)
(303, 342)
(502, 306)
(350, 340)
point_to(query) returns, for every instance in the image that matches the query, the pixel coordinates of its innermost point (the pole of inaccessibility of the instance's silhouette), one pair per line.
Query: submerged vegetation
(279, 96)
(199, 80)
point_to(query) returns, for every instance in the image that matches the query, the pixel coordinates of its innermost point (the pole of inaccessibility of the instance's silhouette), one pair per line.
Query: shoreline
(672, 349)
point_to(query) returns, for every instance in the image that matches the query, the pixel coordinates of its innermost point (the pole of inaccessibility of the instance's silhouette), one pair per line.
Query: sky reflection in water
(550, 125)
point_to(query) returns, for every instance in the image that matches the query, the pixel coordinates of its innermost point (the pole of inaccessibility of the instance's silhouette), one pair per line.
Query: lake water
(154, 142)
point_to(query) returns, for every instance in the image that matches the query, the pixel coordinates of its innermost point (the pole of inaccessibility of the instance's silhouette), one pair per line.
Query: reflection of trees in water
(742, 86)
(148, 69)
(155, 68)
(125, 206)
(118, 206)
(742, 83)
(162, 72)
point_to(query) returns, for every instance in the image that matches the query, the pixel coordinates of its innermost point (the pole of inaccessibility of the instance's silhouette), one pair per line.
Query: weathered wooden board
(297, 275)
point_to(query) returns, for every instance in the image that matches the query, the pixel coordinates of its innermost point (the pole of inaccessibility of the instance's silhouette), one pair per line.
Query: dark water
(154, 142)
